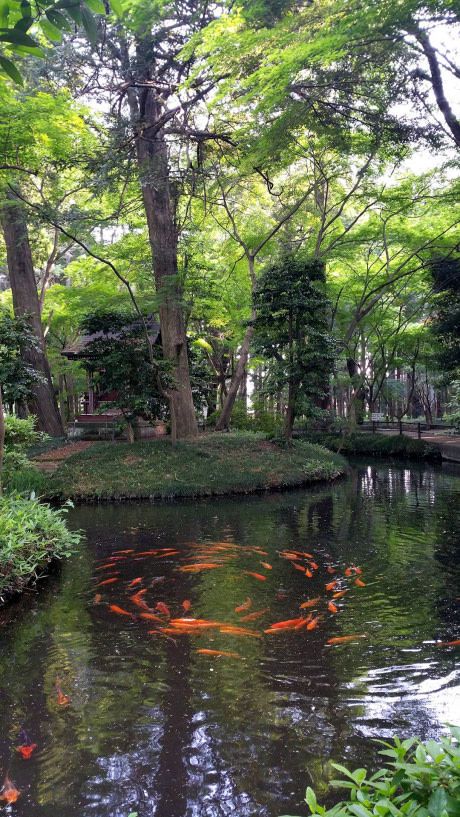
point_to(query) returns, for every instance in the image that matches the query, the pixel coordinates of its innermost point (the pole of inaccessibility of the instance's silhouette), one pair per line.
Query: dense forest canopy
(162, 160)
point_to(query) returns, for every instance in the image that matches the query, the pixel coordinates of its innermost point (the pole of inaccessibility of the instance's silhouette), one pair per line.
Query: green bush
(31, 535)
(419, 780)
(240, 420)
(19, 473)
(21, 434)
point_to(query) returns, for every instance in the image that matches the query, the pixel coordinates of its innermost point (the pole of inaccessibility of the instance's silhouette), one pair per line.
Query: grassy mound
(31, 536)
(377, 445)
(211, 465)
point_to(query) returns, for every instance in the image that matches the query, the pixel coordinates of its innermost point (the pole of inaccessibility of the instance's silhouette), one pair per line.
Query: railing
(414, 426)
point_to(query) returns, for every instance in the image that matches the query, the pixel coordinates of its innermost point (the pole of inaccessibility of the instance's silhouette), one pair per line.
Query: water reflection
(157, 728)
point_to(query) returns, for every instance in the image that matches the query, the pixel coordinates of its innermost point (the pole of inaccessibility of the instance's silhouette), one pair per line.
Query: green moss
(214, 464)
(377, 445)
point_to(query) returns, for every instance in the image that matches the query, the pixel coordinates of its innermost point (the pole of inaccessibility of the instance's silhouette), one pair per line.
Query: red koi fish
(26, 751)
(330, 569)
(298, 567)
(163, 609)
(120, 611)
(455, 643)
(151, 617)
(313, 565)
(312, 625)
(124, 552)
(9, 793)
(308, 573)
(257, 576)
(359, 583)
(348, 571)
(62, 700)
(267, 565)
(311, 603)
(254, 616)
(332, 585)
(187, 605)
(340, 594)
(229, 629)
(107, 581)
(135, 582)
(219, 653)
(245, 606)
(107, 566)
(332, 607)
(342, 639)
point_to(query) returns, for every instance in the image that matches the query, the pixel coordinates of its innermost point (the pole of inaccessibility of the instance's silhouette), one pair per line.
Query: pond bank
(211, 465)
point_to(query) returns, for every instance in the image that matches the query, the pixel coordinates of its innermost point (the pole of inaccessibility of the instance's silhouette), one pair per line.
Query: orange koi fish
(357, 570)
(308, 573)
(332, 607)
(311, 603)
(9, 793)
(313, 566)
(455, 643)
(26, 751)
(137, 599)
(165, 555)
(229, 629)
(219, 653)
(106, 567)
(289, 624)
(257, 576)
(195, 623)
(359, 583)
(63, 700)
(313, 623)
(289, 554)
(135, 582)
(163, 609)
(187, 605)
(341, 639)
(331, 585)
(266, 565)
(340, 594)
(150, 617)
(97, 598)
(107, 581)
(254, 616)
(330, 569)
(120, 611)
(348, 571)
(197, 567)
(124, 552)
(245, 606)
(298, 567)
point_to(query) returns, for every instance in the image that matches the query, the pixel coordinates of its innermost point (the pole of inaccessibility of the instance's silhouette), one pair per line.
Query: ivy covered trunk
(25, 302)
(152, 155)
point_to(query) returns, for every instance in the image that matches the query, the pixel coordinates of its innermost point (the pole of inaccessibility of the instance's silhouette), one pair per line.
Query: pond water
(153, 726)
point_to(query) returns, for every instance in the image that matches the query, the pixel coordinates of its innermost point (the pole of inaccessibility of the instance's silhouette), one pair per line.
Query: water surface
(155, 727)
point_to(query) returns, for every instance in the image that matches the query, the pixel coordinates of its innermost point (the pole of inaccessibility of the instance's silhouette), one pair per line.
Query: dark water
(157, 728)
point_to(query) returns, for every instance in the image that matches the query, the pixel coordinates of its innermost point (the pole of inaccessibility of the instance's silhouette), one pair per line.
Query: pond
(130, 720)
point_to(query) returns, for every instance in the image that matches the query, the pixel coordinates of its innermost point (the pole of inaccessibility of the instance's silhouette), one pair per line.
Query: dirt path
(49, 461)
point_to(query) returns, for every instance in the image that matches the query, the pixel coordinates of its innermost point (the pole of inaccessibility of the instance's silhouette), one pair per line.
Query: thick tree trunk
(290, 413)
(238, 374)
(25, 302)
(152, 154)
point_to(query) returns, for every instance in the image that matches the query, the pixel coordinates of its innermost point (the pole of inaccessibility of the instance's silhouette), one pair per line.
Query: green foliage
(31, 536)
(19, 474)
(376, 445)
(21, 433)
(263, 421)
(16, 377)
(419, 780)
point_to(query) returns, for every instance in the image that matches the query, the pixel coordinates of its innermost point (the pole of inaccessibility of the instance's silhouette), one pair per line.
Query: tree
(446, 319)
(291, 330)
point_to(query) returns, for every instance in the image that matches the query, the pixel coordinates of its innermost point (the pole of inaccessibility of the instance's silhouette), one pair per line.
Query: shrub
(19, 474)
(31, 535)
(419, 780)
(21, 433)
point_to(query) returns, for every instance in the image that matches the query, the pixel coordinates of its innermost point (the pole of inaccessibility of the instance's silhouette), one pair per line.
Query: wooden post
(400, 427)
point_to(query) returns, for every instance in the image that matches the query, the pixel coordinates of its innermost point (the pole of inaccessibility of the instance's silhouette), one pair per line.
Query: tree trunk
(152, 155)
(2, 439)
(25, 302)
(237, 378)
(290, 413)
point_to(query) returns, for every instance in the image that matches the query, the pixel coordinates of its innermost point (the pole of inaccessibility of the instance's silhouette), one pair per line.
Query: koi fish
(187, 605)
(228, 629)
(266, 565)
(308, 573)
(254, 616)
(340, 594)
(97, 598)
(245, 606)
(290, 554)
(124, 552)
(198, 623)
(199, 566)
(298, 567)
(218, 653)
(107, 581)
(357, 570)
(26, 750)
(163, 609)
(150, 617)
(137, 599)
(120, 611)
(348, 571)
(330, 569)
(63, 700)
(455, 643)
(313, 623)
(257, 576)
(165, 555)
(311, 603)
(107, 566)
(359, 583)
(341, 639)
(332, 607)
(331, 585)
(289, 624)
(9, 793)
(135, 582)
(313, 565)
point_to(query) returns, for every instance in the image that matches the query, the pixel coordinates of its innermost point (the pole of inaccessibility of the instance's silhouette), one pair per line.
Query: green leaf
(438, 802)
(9, 68)
(359, 775)
(95, 5)
(24, 23)
(16, 37)
(310, 799)
(89, 24)
(359, 810)
(50, 31)
(58, 20)
(343, 770)
(72, 9)
(26, 8)
(116, 7)
(4, 13)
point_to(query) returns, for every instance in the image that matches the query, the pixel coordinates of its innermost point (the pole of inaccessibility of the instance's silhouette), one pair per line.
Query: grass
(212, 465)
(377, 445)
(31, 536)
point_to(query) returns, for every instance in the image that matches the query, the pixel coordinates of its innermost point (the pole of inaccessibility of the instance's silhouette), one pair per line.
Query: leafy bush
(419, 780)
(240, 420)
(19, 474)
(31, 535)
(21, 433)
